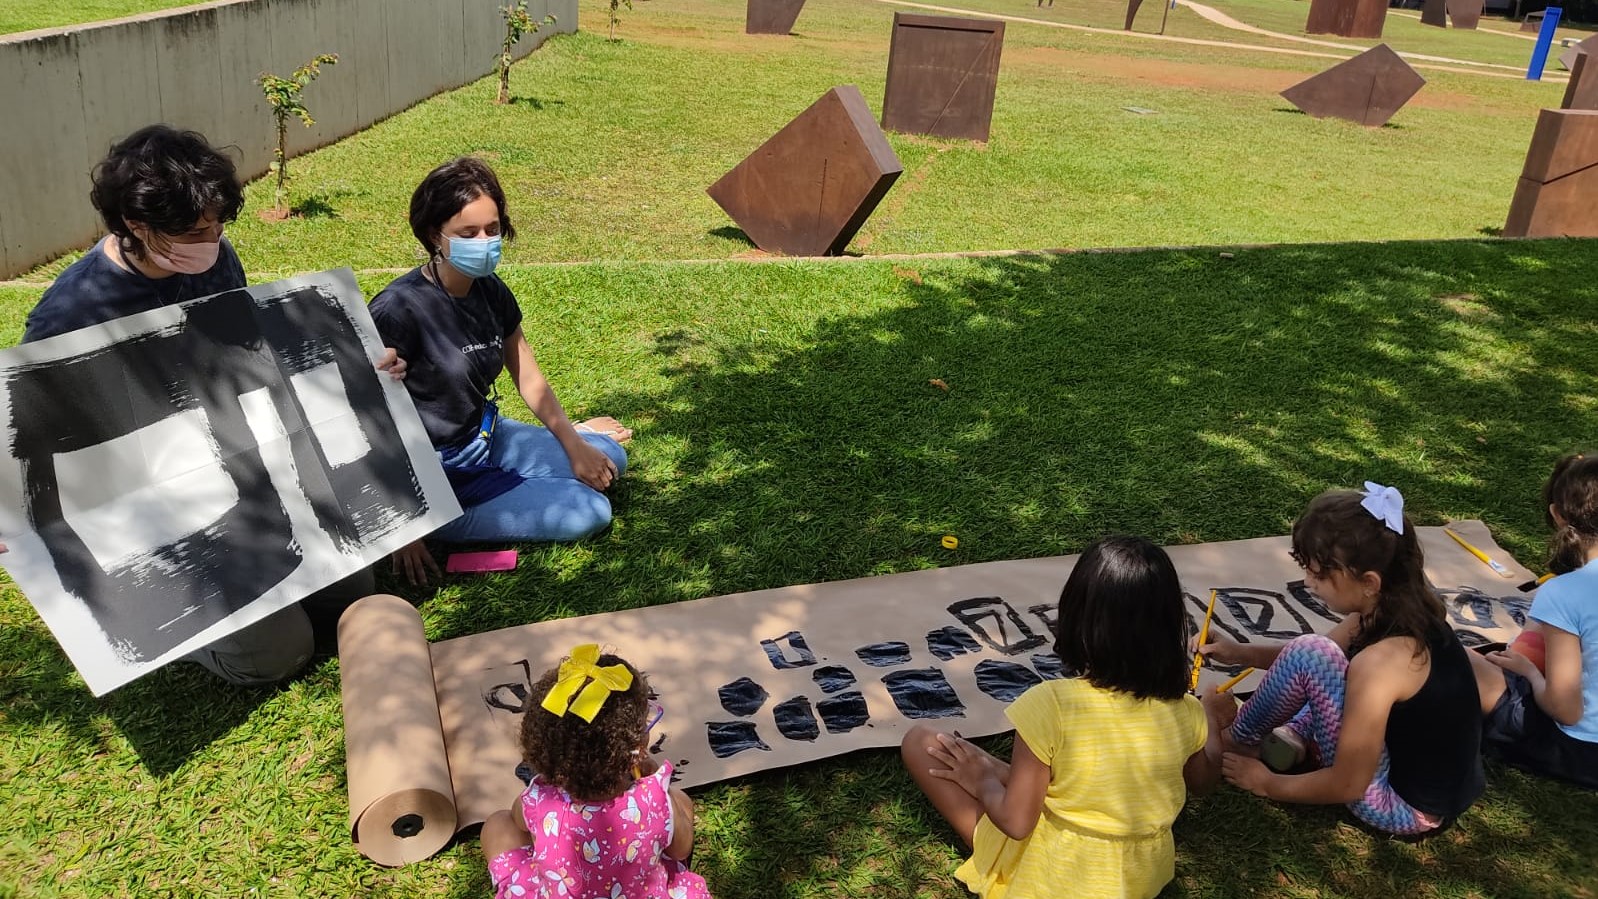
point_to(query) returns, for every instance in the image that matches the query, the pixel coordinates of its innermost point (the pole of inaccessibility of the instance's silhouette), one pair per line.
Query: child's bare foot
(1229, 743)
(606, 426)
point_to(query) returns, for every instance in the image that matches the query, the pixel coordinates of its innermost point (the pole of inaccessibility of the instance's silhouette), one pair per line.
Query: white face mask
(185, 258)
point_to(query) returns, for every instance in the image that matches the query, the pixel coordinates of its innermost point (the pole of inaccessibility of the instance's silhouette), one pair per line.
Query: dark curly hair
(1337, 533)
(1121, 624)
(445, 192)
(166, 179)
(1572, 489)
(591, 761)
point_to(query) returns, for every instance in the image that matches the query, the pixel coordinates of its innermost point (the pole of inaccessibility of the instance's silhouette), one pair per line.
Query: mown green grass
(787, 434)
(609, 148)
(1404, 32)
(26, 15)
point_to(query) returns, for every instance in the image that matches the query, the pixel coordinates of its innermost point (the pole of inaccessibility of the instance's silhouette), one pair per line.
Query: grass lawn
(26, 15)
(608, 151)
(787, 432)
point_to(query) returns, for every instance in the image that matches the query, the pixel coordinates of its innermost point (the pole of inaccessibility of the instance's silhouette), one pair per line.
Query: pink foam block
(472, 563)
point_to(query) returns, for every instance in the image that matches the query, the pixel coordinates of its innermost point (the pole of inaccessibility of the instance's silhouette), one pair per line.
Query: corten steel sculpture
(1131, 12)
(1347, 18)
(771, 16)
(807, 190)
(1466, 14)
(1586, 45)
(1367, 89)
(942, 71)
(1558, 191)
(1582, 91)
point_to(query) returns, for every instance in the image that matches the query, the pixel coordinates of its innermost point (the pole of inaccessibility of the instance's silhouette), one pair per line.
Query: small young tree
(283, 94)
(615, 18)
(518, 21)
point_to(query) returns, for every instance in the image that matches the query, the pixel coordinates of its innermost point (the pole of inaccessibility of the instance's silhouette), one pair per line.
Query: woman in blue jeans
(458, 326)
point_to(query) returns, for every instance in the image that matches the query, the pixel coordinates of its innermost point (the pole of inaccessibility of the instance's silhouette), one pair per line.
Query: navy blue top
(454, 349)
(95, 290)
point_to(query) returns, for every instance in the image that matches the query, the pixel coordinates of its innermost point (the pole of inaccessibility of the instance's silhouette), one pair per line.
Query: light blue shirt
(1570, 603)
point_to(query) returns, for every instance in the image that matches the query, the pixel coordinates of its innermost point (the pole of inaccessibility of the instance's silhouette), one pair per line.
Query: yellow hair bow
(583, 668)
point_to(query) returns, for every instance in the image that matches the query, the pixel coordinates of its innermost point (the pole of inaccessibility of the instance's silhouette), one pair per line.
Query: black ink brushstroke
(1005, 681)
(980, 613)
(779, 657)
(885, 655)
(949, 641)
(923, 693)
(796, 720)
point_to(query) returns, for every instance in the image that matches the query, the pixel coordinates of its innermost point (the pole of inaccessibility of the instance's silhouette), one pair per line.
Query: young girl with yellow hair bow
(599, 817)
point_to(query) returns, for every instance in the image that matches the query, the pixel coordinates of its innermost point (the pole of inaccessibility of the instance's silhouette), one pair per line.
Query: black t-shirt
(94, 290)
(1434, 737)
(454, 349)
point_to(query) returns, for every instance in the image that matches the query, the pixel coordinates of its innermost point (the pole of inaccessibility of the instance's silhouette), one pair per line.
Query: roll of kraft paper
(402, 806)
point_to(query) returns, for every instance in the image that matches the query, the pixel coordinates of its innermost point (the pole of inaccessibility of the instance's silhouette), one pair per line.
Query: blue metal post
(1545, 41)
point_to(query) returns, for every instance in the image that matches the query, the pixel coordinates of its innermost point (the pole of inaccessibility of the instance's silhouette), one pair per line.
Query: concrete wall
(67, 94)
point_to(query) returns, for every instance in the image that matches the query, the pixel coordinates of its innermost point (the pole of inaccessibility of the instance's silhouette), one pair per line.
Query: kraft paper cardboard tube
(402, 807)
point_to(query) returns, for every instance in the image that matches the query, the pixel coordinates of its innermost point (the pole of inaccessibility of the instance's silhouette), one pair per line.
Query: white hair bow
(1386, 503)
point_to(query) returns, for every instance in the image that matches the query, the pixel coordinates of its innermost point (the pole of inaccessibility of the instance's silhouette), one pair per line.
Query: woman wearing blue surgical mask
(459, 326)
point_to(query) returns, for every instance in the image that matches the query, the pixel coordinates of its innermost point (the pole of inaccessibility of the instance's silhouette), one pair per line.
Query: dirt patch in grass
(1203, 76)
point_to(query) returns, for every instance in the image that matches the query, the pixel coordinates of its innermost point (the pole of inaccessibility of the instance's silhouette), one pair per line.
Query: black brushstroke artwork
(1256, 609)
(844, 712)
(1049, 614)
(1478, 604)
(1049, 666)
(947, 642)
(743, 697)
(511, 696)
(923, 693)
(885, 655)
(796, 720)
(996, 623)
(1004, 681)
(1195, 621)
(833, 678)
(226, 346)
(776, 650)
(728, 738)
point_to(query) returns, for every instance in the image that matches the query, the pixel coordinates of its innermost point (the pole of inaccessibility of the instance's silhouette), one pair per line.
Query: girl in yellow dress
(1102, 761)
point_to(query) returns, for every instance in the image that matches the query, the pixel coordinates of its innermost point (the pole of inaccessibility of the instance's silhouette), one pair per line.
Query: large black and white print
(174, 476)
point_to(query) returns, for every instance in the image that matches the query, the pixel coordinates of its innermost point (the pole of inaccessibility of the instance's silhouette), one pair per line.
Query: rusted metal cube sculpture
(807, 190)
(1367, 89)
(1582, 91)
(1558, 191)
(1347, 18)
(771, 16)
(942, 72)
(1434, 12)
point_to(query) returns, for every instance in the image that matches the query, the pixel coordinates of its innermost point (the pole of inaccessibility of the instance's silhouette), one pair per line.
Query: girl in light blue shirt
(1546, 719)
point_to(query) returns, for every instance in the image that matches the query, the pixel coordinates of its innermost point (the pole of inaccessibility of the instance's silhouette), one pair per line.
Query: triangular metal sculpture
(942, 74)
(771, 16)
(1586, 45)
(807, 190)
(1557, 195)
(1582, 91)
(1367, 89)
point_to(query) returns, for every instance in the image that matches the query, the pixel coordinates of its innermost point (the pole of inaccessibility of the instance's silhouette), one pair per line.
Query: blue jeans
(551, 505)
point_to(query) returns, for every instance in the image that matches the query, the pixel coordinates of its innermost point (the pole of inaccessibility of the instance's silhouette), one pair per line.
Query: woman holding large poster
(459, 326)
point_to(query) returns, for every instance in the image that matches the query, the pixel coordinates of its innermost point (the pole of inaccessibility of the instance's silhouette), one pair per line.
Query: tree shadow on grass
(536, 102)
(1173, 394)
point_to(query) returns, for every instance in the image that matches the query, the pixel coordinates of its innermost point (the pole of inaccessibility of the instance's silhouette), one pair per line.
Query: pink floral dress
(608, 850)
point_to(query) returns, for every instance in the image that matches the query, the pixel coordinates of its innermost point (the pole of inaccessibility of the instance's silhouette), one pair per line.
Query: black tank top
(1434, 737)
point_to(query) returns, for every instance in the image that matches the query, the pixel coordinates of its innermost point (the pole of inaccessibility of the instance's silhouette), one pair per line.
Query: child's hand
(968, 766)
(1221, 649)
(1221, 708)
(1246, 774)
(1510, 660)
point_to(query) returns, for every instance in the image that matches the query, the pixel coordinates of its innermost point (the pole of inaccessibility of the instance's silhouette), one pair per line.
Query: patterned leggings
(1304, 689)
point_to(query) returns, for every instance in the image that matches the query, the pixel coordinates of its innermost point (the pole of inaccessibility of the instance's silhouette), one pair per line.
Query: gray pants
(279, 645)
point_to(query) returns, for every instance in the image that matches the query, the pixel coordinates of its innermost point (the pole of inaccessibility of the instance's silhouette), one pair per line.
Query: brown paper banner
(761, 680)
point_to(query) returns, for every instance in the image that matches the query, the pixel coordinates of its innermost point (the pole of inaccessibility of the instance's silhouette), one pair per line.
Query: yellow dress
(1115, 788)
